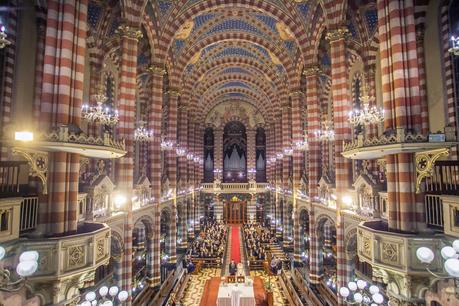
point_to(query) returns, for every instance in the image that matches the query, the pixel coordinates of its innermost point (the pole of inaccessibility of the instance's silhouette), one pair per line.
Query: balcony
(251, 187)
(395, 251)
(73, 255)
(71, 139)
(397, 141)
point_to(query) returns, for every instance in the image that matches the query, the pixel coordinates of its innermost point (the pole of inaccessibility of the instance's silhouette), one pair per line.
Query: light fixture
(280, 155)
(23, 136)
(190, 156)
(100, 113)
(455, 45)
(3, 38)
(302, 145)
(28, 265)
(288, 151)
(107, 297)
(167, 145)
(180, 151)
(327, 133)
(119, 201)
(347, 200)
(358, 292)
(367, 114)
(142, 134)
(450, 255)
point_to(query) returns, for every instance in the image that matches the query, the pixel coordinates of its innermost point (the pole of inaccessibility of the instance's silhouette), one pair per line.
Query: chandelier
(359, 293)
(107, 297)
(454, 49)
(142, 134)
(288, 151)
(327, 133)
(367, 114)
(100, 113)
(190, 156)
(449, 254)
(167, 145)
(28, 265)
(280, 155)
(180, 151)
(3, 38)
(302, 145)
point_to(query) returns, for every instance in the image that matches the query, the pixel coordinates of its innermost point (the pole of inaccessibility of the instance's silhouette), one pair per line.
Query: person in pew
(232, 268)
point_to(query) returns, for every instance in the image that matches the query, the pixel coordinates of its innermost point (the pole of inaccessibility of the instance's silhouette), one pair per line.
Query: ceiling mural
(230, 109)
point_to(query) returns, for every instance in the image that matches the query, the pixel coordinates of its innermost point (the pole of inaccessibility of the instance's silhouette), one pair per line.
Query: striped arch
(266, 116)
(179, 17)
(220, 37)
(226, 62)
(250, 81)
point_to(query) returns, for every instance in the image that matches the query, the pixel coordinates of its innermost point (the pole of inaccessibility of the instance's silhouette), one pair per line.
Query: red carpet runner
(235, 244)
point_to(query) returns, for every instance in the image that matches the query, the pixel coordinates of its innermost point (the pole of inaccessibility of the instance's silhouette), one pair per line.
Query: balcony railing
(9, 178)
(29, 214)
(444, 178)
(82, 252)
(235, 187)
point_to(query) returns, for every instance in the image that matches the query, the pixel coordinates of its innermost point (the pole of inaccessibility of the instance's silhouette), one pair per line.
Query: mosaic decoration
(226, 110)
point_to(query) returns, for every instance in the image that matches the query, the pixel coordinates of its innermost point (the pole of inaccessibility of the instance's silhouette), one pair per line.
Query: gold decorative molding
(337, 34)
(425, 162)
(38, 162)
(76, 255)
(129, 32)
(173, 93)
(157, 70)
(312, 71)
(296, 93)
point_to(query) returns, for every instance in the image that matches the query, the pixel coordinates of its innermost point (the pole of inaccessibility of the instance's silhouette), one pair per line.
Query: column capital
(337, 34)
(129, 32)
(296, 94)
(173, 93)
(313, 70)
(156, 69)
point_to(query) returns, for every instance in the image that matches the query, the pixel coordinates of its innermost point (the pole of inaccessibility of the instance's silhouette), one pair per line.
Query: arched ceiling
(248, 51)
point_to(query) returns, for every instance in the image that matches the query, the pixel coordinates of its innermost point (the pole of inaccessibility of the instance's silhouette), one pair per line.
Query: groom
(232, 268)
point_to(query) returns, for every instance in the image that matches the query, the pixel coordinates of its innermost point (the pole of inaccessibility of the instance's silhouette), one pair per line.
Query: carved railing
(82, 252)
(381, 248)
(62, 134)
(399, 136)
(239, 187)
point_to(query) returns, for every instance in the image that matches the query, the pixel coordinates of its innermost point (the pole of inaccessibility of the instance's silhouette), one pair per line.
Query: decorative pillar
(341, 107)
(155, 116)
(298, 166)
(218, 152)
(402, 104)
(314, 271)
(286, 143)
(61, 105)
(313, 120)
(251, 153)
(125, 171)
(278, 171)
(172, 172)
(183, 176)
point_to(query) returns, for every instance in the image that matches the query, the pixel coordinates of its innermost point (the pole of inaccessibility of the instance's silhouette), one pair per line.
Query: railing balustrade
(29, 214)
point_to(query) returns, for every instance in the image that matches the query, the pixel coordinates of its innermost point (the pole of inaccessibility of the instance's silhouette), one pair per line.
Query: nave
(150, 149)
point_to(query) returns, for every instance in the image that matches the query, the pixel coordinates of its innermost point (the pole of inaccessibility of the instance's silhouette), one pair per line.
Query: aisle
(235, 244)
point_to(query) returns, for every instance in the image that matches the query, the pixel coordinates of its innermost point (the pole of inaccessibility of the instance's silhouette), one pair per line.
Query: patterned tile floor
(279, 298)
(195, 287)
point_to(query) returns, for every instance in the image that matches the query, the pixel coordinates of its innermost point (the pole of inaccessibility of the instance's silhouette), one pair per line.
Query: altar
(236, 295)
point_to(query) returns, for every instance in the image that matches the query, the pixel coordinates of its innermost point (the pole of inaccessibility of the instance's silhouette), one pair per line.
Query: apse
(234, 153)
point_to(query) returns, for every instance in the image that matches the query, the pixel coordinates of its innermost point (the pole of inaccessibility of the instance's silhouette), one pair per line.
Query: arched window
(260, 141)
(209, 155)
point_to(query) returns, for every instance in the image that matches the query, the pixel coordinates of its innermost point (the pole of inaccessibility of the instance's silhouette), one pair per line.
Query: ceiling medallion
(284, 31)
(185, 30)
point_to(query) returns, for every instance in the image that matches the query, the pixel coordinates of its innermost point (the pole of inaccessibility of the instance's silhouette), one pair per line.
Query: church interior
(229, 152)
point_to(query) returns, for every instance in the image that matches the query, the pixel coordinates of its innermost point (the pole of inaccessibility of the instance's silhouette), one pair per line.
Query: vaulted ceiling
(252, 51)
